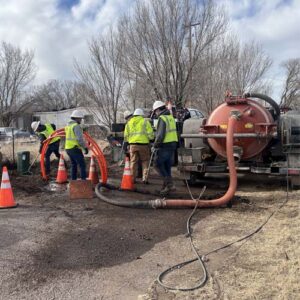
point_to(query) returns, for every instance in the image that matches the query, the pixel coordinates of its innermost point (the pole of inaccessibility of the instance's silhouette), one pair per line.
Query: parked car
(195, 113)
(6, 133)
(182, 114)
(21, 133)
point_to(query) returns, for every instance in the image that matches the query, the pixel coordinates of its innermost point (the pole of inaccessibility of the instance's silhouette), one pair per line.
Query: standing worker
(44, 131)
(75, 144)
(165, 145)
(138, 133)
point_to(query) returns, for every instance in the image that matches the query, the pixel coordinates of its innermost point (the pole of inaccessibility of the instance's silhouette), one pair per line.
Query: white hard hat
(77, 114)
(138, 112)
(35, 125)
(157, 104)
(127, 113)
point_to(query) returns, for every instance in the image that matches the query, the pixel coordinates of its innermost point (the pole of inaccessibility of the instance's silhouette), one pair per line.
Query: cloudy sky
(57, 30)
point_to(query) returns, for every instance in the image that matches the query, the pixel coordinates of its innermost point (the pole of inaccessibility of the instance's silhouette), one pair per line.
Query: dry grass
(33, 147)
(20, 145)
(266, 266)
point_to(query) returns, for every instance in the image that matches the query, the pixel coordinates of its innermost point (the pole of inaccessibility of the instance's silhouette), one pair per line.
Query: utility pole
(190, 83)
(190, 66)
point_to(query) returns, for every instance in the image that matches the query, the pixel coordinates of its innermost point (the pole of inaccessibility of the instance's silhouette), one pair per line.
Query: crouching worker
(75, 145)
(138, 133)
(165, 145)
(44, 131)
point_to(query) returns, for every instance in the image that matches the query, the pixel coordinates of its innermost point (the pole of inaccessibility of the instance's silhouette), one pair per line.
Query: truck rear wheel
(194, 177)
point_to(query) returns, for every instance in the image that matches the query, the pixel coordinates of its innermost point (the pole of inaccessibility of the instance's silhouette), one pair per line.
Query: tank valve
(237, 153)
(236, 114)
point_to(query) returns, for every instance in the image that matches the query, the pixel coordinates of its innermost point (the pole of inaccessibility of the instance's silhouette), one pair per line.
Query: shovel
(149, 166)
(28, 171)
(121, 160)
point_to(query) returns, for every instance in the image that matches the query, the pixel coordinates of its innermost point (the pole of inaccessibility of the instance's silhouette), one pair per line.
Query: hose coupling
(157, 203)
(236, 114)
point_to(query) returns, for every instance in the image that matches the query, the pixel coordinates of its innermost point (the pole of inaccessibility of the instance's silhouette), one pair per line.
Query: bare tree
(155, 39)
(249, 68)
(138, 94)
(212, 74)
(104, 76)
(228, 65)
(58, 95)
(290, 96)
(16, 71)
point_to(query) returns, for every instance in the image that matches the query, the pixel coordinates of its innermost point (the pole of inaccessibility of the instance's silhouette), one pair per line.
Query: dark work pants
(77, 158)
(52, 148)
(164, 161)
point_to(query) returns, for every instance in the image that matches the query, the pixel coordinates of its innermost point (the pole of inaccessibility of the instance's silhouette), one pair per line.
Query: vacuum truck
(265, 140)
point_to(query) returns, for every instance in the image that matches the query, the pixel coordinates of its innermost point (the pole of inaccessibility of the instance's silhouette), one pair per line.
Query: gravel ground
(54, 248)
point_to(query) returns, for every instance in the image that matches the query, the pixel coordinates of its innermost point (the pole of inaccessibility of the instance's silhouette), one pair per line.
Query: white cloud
(85, 8)
(275, 24)
(60, 35)
(56, 35)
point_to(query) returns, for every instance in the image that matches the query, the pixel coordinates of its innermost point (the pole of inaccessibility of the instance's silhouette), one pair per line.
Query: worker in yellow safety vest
(75, 145)
(165, 145)
(44, 131)
(138, 134)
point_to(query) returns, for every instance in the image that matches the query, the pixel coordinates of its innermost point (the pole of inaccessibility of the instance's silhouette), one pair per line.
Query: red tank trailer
(253, 132)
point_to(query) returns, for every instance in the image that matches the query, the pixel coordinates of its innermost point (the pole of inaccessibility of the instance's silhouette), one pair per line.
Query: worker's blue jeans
(52, 148)
(77, 158)
(164, 161)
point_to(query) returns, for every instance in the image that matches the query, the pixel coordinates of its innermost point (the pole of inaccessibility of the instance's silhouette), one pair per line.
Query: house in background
(92, 119)
(23, 119)
(60, 118)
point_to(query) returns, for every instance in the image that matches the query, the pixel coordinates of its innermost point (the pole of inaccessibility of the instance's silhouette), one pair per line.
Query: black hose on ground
(266, 98)
(198, 258)
(100, 189)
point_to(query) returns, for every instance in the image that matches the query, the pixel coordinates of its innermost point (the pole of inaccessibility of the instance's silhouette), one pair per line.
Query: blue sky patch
(67, 4)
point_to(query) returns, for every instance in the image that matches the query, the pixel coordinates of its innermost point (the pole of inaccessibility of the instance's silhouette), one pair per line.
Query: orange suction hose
(176, 203)
(232, 175)
(92, 145)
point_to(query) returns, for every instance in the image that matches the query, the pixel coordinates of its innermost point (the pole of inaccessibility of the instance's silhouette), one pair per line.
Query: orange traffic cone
(6, 195)
(127, 180)
(93, 174)
(62, 175)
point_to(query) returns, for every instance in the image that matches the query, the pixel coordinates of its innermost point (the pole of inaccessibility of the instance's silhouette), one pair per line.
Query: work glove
(86, 151)
(116, 143)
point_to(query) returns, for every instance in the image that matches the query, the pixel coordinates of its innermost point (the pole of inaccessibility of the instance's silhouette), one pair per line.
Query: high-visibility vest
(138, 130)
(71, 139)
(171, 132)
(48, 131)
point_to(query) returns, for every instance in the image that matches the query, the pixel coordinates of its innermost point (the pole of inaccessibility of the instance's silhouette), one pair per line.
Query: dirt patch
(30, 184)
(54, 248)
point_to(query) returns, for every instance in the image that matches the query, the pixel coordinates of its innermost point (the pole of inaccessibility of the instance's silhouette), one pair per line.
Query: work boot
(166, 187)
(171, 185)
